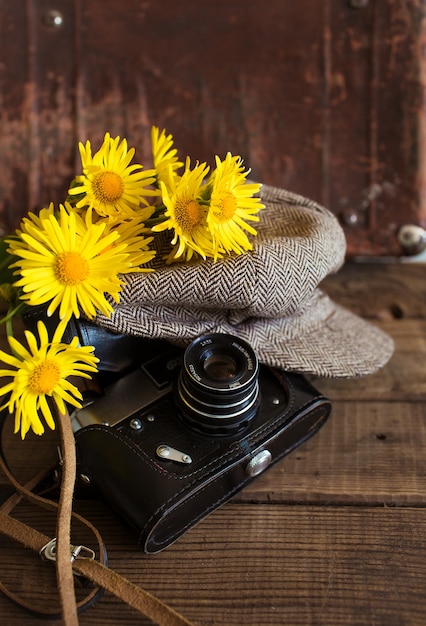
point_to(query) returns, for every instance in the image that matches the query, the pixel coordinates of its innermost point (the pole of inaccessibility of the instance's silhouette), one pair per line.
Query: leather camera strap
(74, 559)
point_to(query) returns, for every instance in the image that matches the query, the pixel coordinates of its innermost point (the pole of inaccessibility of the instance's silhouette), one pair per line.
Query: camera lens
(217, 390)
(220, 367)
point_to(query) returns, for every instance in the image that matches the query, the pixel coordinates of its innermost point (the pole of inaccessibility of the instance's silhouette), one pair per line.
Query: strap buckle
(48, 552)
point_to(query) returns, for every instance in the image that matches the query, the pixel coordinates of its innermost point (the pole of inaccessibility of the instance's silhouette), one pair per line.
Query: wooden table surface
(335, 534)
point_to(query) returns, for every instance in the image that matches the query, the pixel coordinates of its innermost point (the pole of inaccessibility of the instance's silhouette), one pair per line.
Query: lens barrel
(218, 389)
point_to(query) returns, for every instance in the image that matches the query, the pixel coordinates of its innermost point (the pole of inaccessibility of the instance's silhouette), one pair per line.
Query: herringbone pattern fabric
(269, 296)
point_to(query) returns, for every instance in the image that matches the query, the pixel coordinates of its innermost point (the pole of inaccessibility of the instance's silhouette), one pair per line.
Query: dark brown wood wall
(324, 98)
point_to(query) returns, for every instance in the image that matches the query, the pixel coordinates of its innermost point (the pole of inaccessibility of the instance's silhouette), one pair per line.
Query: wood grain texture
(276, 565)
(333, 535)
(383, 291)
(368, 452)
(318, 97)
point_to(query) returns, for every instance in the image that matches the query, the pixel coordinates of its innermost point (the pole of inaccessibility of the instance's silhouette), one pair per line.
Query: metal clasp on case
(258, 463)
(171, 454)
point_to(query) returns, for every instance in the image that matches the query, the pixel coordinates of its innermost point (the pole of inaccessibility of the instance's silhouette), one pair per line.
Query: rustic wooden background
(322, 98)
(326, 99)
(335, 534)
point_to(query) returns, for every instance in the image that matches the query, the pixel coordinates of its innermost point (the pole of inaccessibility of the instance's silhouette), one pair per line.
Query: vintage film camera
(175, 433)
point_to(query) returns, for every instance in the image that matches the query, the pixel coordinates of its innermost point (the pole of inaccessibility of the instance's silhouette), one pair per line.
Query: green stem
(9, 327)
(11, 314)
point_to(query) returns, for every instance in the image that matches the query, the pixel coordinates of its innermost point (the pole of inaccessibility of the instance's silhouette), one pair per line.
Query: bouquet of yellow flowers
(71, 259)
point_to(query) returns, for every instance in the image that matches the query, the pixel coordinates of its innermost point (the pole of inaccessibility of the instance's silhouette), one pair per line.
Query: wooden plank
(368, 453)
(272, 565)
(377, 87)
(338, 116)
(37, 88)
(382, 291)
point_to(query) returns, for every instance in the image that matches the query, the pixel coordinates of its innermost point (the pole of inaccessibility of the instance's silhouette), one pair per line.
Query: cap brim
(320, 338)
(340, 344)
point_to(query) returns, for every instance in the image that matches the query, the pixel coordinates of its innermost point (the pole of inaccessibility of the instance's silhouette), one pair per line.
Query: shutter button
(259, 463)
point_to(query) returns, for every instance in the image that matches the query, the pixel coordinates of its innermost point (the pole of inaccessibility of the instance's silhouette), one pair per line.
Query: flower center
(188, 214)
(107, 186)
(71, 268)
(44, 377)
(225, 206)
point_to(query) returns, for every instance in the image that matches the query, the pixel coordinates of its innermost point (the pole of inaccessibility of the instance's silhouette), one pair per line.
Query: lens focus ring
(218, 386)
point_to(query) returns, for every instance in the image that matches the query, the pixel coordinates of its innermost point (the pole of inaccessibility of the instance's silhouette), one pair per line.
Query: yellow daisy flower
(42, 371)
(185, 215)
(68, 264)
(111, 186)
(132, 232)
(35, 218)
(231, 205)
(164, 155)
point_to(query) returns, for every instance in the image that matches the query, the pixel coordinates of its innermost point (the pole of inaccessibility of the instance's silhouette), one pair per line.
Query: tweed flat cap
(268, 296)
